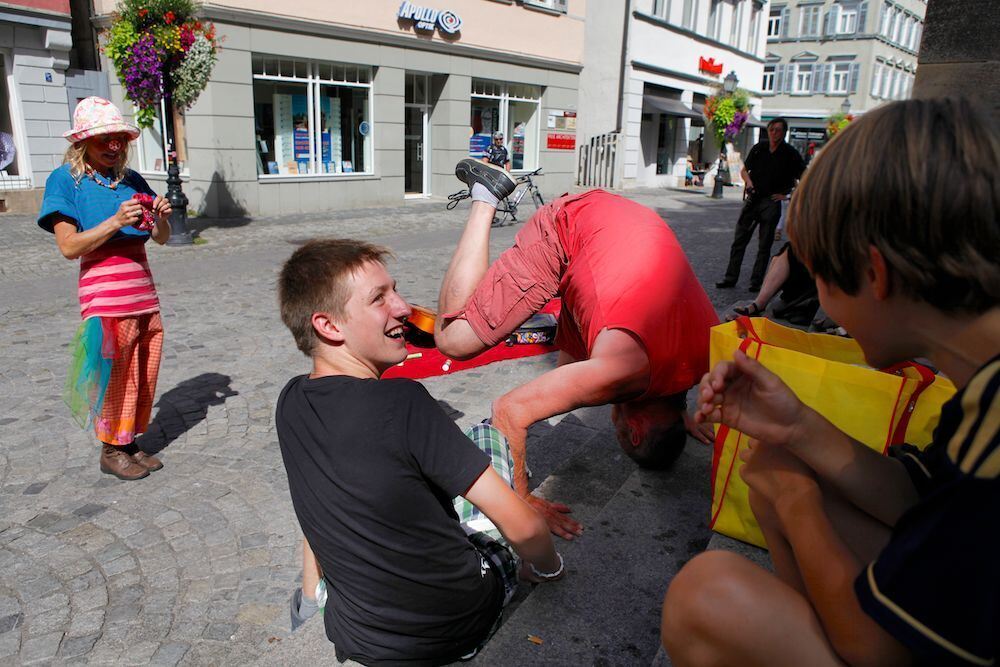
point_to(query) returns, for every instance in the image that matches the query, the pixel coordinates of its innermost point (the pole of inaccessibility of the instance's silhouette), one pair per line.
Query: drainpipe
(621, 75)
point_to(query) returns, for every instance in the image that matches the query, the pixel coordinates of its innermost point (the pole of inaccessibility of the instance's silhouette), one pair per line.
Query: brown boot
(147, 461)
(116, 461)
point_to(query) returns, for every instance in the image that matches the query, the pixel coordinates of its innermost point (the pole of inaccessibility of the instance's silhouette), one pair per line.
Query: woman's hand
(129, 213)
(162, 208)
(744, 395)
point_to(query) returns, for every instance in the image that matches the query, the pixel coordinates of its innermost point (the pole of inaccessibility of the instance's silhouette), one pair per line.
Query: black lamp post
(179, 234)
(729, 85)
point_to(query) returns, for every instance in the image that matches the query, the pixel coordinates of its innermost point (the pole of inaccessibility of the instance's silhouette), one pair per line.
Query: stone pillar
(960, 52)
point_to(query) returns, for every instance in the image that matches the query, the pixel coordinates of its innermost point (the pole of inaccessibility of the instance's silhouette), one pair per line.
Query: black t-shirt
(936, 585)
(773, 173)
(496, 155)
(373, 466)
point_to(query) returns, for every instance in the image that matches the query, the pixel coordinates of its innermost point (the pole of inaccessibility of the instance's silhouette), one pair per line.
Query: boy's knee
(701, 596)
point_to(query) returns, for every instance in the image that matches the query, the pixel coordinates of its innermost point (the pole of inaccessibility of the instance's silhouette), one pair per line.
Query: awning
(669, 106)
(753, 121)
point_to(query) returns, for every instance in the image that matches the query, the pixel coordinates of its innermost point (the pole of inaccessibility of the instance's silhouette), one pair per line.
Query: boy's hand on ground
(703, 433)
(775, 473)
(744, 395)
(555, 515)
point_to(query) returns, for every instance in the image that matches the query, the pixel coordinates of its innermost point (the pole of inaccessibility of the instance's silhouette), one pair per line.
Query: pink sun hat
(96, 115)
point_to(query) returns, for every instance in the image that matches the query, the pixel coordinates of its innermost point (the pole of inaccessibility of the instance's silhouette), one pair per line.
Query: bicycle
(508, 207)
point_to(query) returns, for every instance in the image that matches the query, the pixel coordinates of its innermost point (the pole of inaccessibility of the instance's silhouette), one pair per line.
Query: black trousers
(761, 211)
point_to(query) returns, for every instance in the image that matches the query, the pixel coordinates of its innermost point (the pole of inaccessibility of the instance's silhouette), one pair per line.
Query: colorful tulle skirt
(112, 377)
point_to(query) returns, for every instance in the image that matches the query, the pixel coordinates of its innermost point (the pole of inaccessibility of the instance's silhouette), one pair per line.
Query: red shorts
(617, 266)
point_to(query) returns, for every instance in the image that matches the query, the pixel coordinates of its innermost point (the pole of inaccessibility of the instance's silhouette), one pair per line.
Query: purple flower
(143, 72)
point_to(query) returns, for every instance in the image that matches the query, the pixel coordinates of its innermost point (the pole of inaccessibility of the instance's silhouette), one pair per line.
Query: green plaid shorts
(481, 531)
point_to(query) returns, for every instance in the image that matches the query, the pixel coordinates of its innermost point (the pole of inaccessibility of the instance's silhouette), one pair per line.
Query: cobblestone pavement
(194, 564)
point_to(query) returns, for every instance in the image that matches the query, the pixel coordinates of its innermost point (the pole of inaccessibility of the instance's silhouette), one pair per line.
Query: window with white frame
(885, 20)
(767, 85)
(511, 108)
(809, 20)
(689, 15)
(661, 8)
(774, 22)
(847, 20)
(754, 28)
(152, 145)
(904, 33)
(715, 20)
(897, 26)
(312, 118)
(839, 76)
(876, 79)
(802, 83)
(735, 24)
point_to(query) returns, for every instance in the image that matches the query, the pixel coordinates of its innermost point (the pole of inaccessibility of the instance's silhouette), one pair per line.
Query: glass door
(416, 154)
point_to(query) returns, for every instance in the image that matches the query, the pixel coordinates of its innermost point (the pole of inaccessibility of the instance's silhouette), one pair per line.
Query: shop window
(515, 110)
(152, 145)
(312, 118)
(10, 174)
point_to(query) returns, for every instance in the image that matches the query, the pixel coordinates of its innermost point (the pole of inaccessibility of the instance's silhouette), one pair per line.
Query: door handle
(420, 151)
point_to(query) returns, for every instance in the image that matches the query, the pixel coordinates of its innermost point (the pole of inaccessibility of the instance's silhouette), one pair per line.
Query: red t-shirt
(626, 270)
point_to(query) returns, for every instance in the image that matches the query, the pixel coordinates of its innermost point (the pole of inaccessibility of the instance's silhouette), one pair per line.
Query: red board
(709, 66)
(561, 141)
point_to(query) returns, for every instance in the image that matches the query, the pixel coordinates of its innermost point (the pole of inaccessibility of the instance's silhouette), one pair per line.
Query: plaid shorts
(482, 533)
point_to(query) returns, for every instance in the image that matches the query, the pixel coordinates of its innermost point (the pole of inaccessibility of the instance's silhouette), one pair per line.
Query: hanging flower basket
(726, 114)
(837, 122)
(159, 49)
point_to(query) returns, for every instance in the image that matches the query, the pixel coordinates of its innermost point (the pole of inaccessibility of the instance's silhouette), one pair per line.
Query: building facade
(649, 67)
(38, 88)
(321, 105)
(823, 52)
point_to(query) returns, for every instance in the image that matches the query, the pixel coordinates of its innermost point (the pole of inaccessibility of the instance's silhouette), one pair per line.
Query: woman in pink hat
(103, 213)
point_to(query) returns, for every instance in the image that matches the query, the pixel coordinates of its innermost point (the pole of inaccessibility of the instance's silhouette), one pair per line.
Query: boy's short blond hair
(920, 181)
(313, 281)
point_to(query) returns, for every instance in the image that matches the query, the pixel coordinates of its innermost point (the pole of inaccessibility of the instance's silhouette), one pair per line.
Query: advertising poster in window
(284, 153)
(517, 146)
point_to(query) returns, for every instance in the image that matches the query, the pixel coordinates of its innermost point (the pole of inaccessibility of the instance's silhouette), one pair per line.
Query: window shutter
(786, 20)
(862, 17)
(821, 82)
(827, 30)
(852, 81)
(779, 79)
(789, 78)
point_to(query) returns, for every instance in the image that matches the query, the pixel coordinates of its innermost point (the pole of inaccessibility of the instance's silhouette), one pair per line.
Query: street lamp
(845, 106)
(179, 234)
(729, 86)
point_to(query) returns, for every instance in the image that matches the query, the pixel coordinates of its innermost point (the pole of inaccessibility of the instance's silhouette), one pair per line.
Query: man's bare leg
(456, 338)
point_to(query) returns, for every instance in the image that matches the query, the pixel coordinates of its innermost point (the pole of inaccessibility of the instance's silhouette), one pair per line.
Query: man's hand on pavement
(555, 515)
(703, 433)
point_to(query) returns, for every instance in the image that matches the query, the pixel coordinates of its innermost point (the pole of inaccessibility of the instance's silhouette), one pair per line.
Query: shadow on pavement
(184, 406)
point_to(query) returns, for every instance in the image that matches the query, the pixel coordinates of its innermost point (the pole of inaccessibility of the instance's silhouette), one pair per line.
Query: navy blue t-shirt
(936, 585)
(496, 155)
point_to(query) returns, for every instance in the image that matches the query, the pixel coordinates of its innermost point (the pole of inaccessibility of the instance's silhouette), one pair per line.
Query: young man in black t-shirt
(374, 467)
(878, 560)
(770, 171)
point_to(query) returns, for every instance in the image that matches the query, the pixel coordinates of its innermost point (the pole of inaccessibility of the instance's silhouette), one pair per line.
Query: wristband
(548, 575)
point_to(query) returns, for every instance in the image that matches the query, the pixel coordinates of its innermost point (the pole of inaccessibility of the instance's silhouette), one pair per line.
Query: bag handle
(897, 436)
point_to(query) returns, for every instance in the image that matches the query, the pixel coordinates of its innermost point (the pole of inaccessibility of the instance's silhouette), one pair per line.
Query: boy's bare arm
(617, 368)
(828, 569)
(523, 527)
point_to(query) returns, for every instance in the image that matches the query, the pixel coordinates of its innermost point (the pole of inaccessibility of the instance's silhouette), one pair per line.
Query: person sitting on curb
(878, 560)
(373, 466)
(633, 330)
(786, 274)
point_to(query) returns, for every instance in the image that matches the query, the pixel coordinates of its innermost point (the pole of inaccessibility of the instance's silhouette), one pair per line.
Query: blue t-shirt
(88, 203)
(496, 155)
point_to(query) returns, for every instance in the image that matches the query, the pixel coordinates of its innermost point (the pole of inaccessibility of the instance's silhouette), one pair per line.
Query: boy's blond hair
(313, 281)
(920, 181)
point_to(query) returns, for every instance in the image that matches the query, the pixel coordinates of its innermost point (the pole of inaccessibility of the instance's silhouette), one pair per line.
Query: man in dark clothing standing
(496, 153)
(769, 172)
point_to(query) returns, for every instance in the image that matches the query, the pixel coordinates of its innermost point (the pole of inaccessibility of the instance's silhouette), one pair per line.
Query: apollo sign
(427, 18)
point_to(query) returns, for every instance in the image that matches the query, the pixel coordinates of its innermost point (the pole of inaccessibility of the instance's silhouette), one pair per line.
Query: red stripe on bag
(720, 438)
(897, 436)
(747, 324)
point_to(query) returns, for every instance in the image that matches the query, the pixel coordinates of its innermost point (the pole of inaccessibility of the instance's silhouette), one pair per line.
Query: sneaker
(493, 178)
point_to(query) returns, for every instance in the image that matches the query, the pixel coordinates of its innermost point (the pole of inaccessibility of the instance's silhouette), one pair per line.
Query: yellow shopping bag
(876, 407)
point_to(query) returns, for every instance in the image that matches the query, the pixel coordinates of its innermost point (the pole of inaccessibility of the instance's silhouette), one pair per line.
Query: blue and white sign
(364, 128)
(428, 18)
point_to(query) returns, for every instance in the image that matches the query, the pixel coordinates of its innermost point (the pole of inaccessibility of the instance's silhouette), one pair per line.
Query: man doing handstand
(633, 330)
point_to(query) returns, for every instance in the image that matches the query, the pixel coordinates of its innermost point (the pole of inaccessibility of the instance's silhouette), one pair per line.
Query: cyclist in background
(496, 153)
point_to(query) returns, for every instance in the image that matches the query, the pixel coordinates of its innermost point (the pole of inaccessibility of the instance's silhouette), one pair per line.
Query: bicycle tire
(536, 197)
